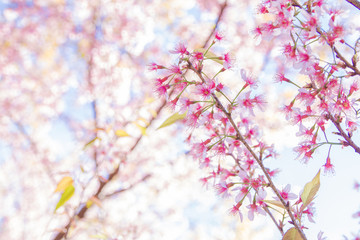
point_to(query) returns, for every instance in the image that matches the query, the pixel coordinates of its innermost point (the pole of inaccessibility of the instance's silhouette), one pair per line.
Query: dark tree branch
(221, 13)
(355, 3)
(343, 133)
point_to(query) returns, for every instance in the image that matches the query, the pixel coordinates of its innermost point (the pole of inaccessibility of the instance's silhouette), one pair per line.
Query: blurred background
(76, 101)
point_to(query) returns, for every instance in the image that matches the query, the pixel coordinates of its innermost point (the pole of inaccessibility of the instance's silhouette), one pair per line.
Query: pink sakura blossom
(323, 106)
(175, 69)
(220, 149)
(310, 210)
(298, 116)
(236, 210)
(205, 163)
(154, 67)
(205, 90)
(290, 52)
(302, 149)
(256, 183)
(262, 9)
(304, 61)
(225, 174)
(310, 26)
(260, 102)
(252, 133)
(198, 56)
(354, 87)
(328, 167)
(205, 181)
(162, 90)
(222, 189)
(185, 104)
(180, 49)
(249, 80)
(256, 206)
(234, 144)
(179, 85)
(243, 191)
(199, 150)
(336, 33)
(320, 236)
(257, 32)
(342, 104)
(307, 133)
(227, 61)
(218, 36)
(273, 173)
(247, 102)
(288, 110)
(286, 195)
(172, 104)
(193, 118)
(306, 96)
(280, 78)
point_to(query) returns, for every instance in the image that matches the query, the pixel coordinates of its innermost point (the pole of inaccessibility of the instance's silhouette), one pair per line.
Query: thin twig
(343, 134)
(221, 13)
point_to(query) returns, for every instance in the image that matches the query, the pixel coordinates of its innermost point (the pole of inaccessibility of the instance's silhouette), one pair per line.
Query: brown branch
(343, 134)
(354, 3)
(221, 13)
(347, 63)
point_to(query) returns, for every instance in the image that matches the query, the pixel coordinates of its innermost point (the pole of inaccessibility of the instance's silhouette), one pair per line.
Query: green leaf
(90, 143)
(68, 193)
(121, 133)
(99, 236)
(310, 190)
(64, 183)
(210, 55)
(172, 119)
(292, 234)
(141, 128)
(275, 203)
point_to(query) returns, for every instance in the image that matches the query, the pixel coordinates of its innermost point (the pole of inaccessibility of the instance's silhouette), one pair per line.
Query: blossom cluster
(331, 90)
(230, 145)
(225, 138)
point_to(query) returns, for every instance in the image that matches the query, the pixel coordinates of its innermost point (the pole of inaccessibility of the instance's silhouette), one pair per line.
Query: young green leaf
(141, 128)
(90, 143)
(68, 193)
(292, 234)
(121, 133)
(275, 203)
(64, 183)
(210, 55)
(172, 119)
(310, 190)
